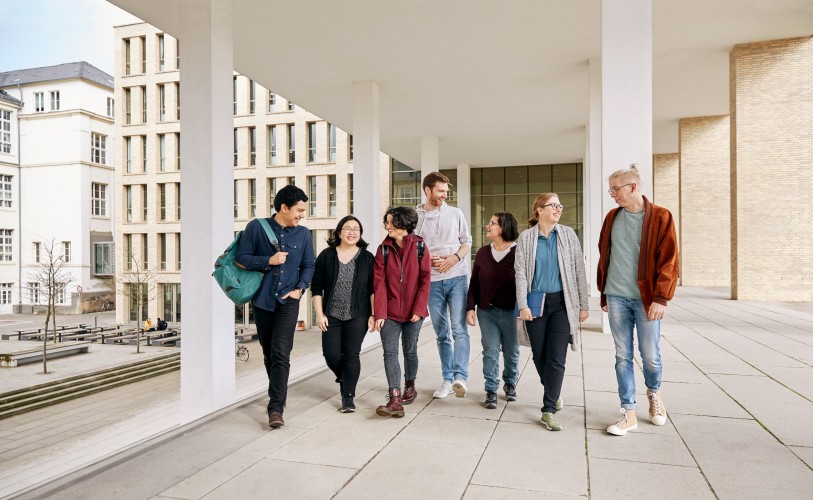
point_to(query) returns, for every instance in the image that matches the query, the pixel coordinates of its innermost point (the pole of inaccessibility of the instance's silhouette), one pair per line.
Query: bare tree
(52, 282)
(139, 283)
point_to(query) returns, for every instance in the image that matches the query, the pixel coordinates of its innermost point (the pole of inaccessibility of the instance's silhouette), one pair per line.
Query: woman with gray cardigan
(549, 264)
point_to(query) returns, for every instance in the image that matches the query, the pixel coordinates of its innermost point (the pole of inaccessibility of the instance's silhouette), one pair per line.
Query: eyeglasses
(492, 223)
(614, 189)
(351, 230)
(555, 206)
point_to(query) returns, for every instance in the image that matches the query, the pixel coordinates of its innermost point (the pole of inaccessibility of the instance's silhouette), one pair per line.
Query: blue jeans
(498, 329)
(624, 314)
(447, 309)
(408, 331)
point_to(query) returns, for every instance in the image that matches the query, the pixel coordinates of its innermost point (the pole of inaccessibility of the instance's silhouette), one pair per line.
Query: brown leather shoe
(393, 408)
(409, 392)
(275, 420)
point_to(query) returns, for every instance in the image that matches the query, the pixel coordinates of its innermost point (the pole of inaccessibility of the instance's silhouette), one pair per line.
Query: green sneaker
(559, 403)
(549, 419)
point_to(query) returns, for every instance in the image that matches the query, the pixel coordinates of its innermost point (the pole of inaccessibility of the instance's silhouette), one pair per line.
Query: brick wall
(705, 202)
(772, 170)
(666, 184)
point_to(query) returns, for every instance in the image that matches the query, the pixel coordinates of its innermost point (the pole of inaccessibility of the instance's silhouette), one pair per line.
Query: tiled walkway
(738, 384)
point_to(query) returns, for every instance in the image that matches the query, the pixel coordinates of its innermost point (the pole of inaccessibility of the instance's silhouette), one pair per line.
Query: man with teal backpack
(287, 271)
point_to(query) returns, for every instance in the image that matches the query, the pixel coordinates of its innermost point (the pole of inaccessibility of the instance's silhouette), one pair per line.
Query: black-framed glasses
(555, 206)
(351, 230)
(615, 189)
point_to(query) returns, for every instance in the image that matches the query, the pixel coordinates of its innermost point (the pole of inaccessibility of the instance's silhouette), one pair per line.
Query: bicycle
(240, 350)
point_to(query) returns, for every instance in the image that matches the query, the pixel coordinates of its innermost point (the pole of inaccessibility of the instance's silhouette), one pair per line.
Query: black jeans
(341, 345)
(550, 339)
(276, 331)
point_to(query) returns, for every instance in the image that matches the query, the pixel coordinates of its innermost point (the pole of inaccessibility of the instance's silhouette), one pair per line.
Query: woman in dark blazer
(342, 290)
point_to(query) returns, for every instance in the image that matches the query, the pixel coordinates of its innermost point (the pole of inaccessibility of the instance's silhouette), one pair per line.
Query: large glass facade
(406, 185)
(513, 189)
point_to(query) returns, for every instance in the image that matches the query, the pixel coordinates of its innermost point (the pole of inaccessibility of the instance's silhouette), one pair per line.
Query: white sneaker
(444, 390)
(459, 388)
(627, 422)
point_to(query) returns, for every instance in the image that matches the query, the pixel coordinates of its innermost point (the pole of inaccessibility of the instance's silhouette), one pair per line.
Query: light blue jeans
(624, 314)
(498, 329)
(447, 309)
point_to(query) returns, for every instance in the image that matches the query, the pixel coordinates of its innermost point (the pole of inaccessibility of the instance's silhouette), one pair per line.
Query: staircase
(40, 396)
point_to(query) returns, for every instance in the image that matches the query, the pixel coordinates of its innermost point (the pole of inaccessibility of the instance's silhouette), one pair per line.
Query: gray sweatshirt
(444, 230)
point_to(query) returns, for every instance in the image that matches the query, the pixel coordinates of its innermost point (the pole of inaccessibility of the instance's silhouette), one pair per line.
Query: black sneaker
(348, 406)
(510, 392)
(491, 401)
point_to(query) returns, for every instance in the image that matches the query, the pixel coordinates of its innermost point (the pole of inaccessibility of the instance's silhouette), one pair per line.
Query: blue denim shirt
(546, 268)
(297, 271)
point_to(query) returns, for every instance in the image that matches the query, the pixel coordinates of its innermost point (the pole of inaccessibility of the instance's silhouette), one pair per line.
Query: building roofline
(81, 69)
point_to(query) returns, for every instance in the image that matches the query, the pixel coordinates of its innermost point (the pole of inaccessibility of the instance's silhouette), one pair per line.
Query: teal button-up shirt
(546, 268)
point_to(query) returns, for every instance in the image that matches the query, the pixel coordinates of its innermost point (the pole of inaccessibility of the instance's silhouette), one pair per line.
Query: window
(162, 102)
(177, 201)
(162, 201)
(349, 147)
(236, 205)
(5, 245)
(234, 95)
(145, 261)
(161, 53)
(111, 107)
(54, 100)
(311, 142)
(127, 54)
(103, 259)
(177, 101)
(143, 54)
(5, 130)
(5, 190)
(162, 152)
(39, 102)
(172, 302)
(99, 199)
(128, 102)
(252, 95)
(143, 153)
(234, 140)
(128, 204)
(177, 54)
(272, 102)
(272, 145)
(406, 185)
(128, 151)
(290, 105)
(311, 195)
(60, 293)
(37, 252)
(177, 251)
(128, 251)
(136, 292)
(275, 185)
(350, 193)
(331, 142)
(331, 194)
(5, 293)
(144, 202)
(177, 150)
(143, 104)
(98, 148)
(66, 251)
(252, 145)
(33, 292)
(162, 251)
(291, 143)
(252, 198)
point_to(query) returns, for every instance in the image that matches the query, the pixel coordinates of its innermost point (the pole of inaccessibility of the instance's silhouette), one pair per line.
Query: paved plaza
(738, 385)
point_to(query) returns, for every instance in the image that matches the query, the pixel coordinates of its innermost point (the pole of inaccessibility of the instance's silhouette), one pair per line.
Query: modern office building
(56, 182)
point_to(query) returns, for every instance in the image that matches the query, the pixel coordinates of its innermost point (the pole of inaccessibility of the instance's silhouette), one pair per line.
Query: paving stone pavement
(738, 385)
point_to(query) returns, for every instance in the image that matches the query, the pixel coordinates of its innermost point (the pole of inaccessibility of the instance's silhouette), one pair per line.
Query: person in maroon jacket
(493, 291)
(401, 283)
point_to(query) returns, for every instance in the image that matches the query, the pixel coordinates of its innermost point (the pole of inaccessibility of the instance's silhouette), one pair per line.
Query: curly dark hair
(289, 196)
(508, 225)
(402, 218)
(334, 241)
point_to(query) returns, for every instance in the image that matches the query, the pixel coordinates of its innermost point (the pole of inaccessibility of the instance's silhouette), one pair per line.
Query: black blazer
(327, 272)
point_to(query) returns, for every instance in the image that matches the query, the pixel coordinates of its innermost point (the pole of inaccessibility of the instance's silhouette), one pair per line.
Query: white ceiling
(499, 83)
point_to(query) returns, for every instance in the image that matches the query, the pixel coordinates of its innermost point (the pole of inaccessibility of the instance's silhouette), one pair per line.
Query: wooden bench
(17, 357)
(162, 341)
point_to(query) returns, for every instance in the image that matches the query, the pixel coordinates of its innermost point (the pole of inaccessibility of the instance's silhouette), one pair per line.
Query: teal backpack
(237, 283)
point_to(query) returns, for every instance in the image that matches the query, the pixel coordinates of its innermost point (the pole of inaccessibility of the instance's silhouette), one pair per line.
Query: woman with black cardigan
(342, 290)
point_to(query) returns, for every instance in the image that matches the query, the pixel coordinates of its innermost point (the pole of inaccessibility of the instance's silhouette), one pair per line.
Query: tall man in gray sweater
(447, 237)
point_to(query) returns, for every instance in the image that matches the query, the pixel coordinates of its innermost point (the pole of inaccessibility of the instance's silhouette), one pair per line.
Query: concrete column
(430, 155)
(772, 170)
(207, 349)
(626, 88)
(705, 173)
(595, 191)
(464, 191)
(366, 169)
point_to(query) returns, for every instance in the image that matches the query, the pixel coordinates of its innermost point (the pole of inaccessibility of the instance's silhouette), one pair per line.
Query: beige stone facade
(148, 164)
(772, 170)
(666, 184)
(705, 201)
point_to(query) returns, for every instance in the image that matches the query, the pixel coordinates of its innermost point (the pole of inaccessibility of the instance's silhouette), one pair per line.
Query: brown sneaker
(275, 420)
(627, 422)
(394, 407)
(409, 392)
(657, 410)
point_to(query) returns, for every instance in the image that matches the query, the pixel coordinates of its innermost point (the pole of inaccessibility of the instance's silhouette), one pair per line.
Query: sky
(46, 32)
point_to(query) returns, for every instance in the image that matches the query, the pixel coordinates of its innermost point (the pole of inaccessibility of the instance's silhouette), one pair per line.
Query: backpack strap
(272, 237)
(421, 248)
(385, 249)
